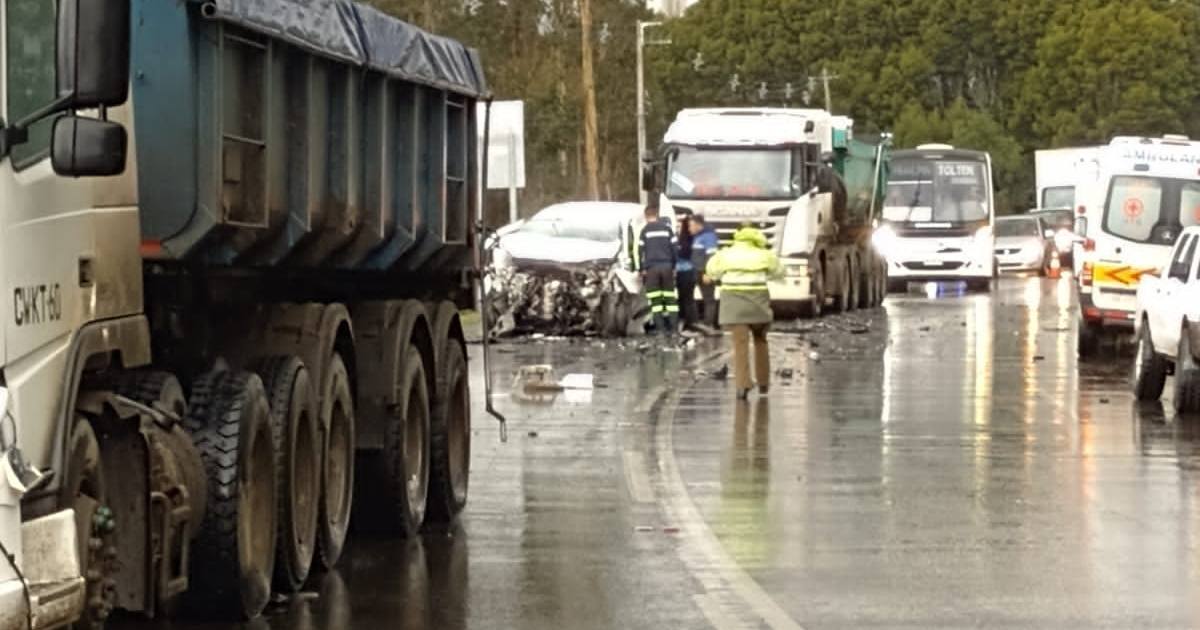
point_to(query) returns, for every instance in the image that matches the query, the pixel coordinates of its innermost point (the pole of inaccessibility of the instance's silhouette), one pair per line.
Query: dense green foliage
(1009, 77)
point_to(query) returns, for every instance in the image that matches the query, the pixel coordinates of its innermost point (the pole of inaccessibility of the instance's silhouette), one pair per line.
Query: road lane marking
(695, 531)
(637, 478)
(717, 617)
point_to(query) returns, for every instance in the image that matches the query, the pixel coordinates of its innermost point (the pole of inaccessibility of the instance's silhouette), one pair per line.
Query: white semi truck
(1061, 173)
(801, 177)
(234, 236)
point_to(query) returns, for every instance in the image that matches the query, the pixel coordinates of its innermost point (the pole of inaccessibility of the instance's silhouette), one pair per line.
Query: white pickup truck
(1168, 327)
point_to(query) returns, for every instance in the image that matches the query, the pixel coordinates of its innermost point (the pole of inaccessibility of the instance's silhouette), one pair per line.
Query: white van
(1146, 192)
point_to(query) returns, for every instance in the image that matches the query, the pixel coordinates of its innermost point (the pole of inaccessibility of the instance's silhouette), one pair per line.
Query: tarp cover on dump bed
(363, 36)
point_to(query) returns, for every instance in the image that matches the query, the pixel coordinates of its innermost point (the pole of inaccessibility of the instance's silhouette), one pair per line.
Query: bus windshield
(937, 191)
(731, 174)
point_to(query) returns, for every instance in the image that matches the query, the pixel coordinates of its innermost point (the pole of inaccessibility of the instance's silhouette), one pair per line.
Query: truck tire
(851, 285)
(881, 283)
(817, 290)
(233, 556)
(841, 303)
(406, 451)
(337, 463)
(450, 436)
(1187, 378)
(1149, 368)
(162, 391)
(866, 289)
(297, 467)
(85, 491)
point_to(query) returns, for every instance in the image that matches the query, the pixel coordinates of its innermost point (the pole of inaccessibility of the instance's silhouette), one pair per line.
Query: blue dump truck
(237, 235)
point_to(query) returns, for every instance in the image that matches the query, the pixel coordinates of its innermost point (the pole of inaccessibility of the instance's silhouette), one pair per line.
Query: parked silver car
(1022, 243)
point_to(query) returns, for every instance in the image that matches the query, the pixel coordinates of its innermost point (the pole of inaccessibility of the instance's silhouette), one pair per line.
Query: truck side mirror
(649, 176)
(92, 53)
(86, 147)
(1080, 226)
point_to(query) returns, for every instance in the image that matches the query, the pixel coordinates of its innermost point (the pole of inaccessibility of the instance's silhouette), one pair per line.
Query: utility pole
(825, 78)
(641, 101)
(591, 131)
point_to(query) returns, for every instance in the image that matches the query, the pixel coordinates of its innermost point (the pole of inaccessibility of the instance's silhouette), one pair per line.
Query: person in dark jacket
(704, 245)
(656, 261)
(685, 277)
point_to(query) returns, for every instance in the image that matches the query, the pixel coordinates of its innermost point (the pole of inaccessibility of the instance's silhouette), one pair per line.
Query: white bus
(937, 218)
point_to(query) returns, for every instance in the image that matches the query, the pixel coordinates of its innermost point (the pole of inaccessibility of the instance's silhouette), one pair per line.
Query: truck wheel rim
(337, 472)
(256, 500)
(416, 440)
(459, 437)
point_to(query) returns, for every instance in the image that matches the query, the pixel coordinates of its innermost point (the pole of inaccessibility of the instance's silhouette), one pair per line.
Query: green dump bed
(863, 168)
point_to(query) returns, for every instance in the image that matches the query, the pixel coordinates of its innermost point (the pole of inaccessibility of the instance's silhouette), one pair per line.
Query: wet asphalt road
(936, 463)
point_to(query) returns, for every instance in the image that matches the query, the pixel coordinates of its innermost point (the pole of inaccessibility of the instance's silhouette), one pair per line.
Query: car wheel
(1187, 377)
(1149, 368)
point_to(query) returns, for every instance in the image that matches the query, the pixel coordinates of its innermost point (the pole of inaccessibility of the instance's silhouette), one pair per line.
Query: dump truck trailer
(236, 237)
(801, 177)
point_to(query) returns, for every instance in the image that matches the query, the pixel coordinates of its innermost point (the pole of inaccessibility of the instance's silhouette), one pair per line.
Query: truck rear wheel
(233, 555)
(297, 467)
(1149, 368)
(1187, 377)
(406, 450)
(842, 302)
(337, 463)
(450, 438)
(866, 289)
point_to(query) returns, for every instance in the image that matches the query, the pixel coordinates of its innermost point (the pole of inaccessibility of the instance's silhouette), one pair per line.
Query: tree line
(1007, 77)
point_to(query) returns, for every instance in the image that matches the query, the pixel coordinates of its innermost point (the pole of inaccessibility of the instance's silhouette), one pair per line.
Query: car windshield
(1017, 227)
(584, 223)
(943, 191)
(731, 174)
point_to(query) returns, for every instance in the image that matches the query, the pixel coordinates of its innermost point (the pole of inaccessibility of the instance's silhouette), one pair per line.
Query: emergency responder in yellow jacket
(743, 270)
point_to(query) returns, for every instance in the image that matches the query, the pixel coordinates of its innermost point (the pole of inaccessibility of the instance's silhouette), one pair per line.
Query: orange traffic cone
(1055, 270)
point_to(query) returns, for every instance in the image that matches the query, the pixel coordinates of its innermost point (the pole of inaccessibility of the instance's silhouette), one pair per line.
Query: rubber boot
(672, 326)
(660, 324)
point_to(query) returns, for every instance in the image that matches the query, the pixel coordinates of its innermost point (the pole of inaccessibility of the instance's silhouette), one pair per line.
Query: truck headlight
(884, 239)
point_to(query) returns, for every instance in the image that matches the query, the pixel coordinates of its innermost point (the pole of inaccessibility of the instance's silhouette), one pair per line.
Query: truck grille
(726, 229)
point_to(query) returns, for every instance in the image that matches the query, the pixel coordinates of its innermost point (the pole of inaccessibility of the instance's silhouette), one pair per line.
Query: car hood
(1017, 242)
(528, 246)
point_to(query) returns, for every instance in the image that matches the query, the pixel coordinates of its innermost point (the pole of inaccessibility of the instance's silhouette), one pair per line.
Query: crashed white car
(567, 271)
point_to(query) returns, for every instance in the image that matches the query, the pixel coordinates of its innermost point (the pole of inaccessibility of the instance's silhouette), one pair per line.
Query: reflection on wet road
(953, 466)
(968, 474)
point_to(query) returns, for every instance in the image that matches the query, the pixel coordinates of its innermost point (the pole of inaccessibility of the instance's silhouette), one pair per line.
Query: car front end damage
(591, 298)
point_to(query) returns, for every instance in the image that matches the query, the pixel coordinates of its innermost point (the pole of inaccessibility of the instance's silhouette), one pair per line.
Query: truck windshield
(1151, 209)
(939, 191)
(731, 174)
(1058, 197)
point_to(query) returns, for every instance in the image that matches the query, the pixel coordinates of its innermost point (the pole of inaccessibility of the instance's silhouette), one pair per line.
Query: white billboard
(506, 146)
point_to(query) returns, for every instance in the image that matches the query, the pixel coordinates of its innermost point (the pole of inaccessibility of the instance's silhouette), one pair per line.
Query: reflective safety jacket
(656, 246)
(743, 270)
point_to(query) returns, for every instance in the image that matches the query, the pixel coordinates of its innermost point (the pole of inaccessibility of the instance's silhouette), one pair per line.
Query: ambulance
(1147, 190)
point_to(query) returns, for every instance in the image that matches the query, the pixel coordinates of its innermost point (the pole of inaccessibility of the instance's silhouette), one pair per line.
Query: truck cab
(773, 169)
